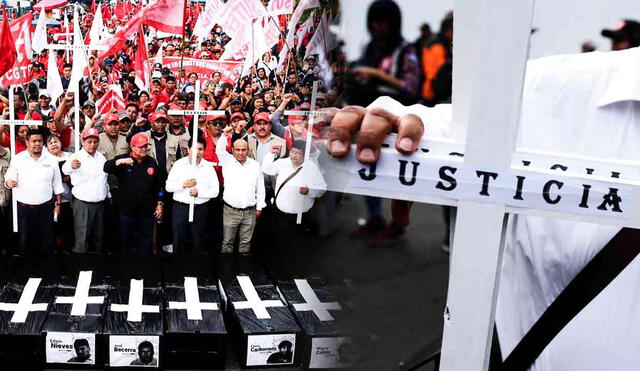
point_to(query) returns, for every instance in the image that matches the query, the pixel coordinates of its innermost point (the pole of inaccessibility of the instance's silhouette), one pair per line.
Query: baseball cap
(108, 62)
(238, 115)
(262, 116)
(110, 117)
(123, 115)
(627, 30)
(90, 132)
(157, 115)
(156, 75)
(139, 140)
(89, 104)
(44, 93)
(104, 79)
(236, 101)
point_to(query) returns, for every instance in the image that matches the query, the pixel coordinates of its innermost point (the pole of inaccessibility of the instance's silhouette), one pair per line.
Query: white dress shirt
(243, 183)
(38, 180)
(89, 180)
(289, 199)
(204, 174)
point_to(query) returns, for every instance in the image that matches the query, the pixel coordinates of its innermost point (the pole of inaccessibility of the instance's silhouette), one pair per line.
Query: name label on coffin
(421, 175)
(70, 348)
(331, 353)
(134, 351)
(276, 349)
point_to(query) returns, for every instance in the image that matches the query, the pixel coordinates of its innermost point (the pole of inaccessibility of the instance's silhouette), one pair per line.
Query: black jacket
(140, 185)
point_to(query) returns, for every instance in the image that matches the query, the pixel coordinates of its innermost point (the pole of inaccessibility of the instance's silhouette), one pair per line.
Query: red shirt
(19, 146)
(210, 155)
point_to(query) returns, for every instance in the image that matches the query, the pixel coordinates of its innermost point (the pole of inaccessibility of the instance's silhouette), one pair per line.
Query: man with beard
(145, 355)
(35, 178)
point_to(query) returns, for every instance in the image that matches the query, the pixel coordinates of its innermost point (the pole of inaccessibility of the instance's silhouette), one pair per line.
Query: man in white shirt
(90, 190)
(243, 195)
(37, 182)
(187, 183)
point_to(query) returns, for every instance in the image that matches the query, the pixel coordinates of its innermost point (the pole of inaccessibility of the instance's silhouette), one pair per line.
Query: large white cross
(25, 305)
(313, 303)
(12, 139)
(253, 301)
(194, 134)
(81, 298)
(192, 303)
(135, 308)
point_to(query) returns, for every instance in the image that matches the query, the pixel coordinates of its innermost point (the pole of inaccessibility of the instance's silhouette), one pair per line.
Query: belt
(238, 208)
(21, 204)
(92, 203)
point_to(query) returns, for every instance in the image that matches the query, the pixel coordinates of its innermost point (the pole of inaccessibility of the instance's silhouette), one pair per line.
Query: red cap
(305, 106)
(157, 115)
(294, 119)
(238, 115)
(262, 116)
(215, 117)
(111, 117)
(139, 140)
(90, 132)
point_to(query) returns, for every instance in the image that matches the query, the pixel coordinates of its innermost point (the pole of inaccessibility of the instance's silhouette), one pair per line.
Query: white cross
(81, 298)
(25, 305)
(194, 147)
(313, 303)
(12, 138)
(135, 308)
(253, 301)
(192, 303)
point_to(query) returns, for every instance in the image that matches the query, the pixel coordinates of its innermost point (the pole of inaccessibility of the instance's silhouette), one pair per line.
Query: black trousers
(35, 229)
(183, 231)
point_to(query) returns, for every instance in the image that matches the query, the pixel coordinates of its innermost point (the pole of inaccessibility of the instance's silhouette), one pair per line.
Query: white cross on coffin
(81, 297)
(192, 303)
(313, 303)
(135, 308)
(253, 301)
(25, 305)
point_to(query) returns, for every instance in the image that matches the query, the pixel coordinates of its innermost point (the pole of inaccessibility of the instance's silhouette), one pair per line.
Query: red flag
(164, 15)
(140, 62)
(119, 10)
(8, 47)
(93, 7)
(110, 101)
(21, 34)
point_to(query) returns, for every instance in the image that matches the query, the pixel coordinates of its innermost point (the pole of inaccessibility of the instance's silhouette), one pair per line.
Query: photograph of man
(145, 355)
(83, 352)
(283, 355)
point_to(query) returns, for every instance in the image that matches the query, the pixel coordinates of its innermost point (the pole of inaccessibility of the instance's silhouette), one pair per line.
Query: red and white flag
(163, 15)
(140, 63)
(207, 19)
(304, 29)
(18, 47)
(278, 7)
(111, 101)
(257, 45)
(237, 13)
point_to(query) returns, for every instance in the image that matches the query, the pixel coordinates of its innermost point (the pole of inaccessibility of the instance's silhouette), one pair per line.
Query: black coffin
(189, 342)
(257, 341)
(21, 336)
(316, 307)
(134, 339)
(74, 339)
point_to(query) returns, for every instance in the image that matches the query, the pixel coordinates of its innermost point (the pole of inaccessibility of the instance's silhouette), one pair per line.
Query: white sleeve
(174, 183)
(58, 188)
(221, 150)
(270, 165)
(214, 187)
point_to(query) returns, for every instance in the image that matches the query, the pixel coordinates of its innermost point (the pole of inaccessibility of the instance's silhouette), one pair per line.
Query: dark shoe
(391, 235)
(368, 229)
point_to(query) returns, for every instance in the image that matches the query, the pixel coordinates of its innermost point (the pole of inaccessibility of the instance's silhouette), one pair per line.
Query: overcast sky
(562, 24)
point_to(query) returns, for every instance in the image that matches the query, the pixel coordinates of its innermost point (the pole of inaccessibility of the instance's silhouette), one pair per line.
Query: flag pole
(184, 34)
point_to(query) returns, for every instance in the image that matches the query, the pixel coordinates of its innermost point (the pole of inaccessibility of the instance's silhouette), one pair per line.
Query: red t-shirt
(210, 155)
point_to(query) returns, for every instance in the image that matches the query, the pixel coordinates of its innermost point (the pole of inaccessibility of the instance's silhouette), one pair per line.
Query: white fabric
(54, 83)
(39, 41)
(192, 303)
(206, 179)
(253, 301)
(206, 20)
(89, 180)
(97, 28)
(312, 303)
(38, 180)
(80, 62)
(289, 199)
(135, 308)
(586, 104)
(25, 304)
(243, 183)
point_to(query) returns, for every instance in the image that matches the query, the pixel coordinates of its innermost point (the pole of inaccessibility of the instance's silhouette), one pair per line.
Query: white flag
(54, 83)
(97, 28)
(79, 57)
(307, 4)
(306, 27)
(40, 34)
(206, 20)
(255, 33)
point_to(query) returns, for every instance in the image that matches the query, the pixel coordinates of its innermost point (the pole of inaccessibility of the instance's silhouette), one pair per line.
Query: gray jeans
(88, 222)
(236, 222)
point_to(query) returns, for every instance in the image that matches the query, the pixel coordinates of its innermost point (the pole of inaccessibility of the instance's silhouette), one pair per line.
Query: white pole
(76, 104)
(194, 145)
(12, 138)
(307, 149)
